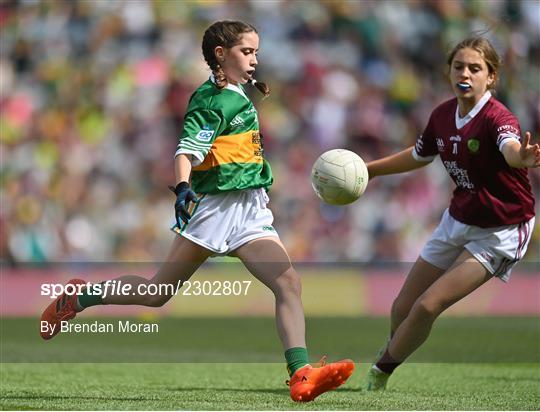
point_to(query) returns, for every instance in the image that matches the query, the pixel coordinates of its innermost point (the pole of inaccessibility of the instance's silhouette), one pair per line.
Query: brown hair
(486, 50)
(226, 33)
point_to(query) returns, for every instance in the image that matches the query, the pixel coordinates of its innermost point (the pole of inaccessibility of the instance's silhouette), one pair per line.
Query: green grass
(260, 386)
(468, 363)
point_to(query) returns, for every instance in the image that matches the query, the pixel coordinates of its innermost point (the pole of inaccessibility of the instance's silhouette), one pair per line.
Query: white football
(339, 177)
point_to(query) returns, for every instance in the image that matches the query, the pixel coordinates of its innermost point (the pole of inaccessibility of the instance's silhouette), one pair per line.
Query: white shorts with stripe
(224, 222)
(497, 248)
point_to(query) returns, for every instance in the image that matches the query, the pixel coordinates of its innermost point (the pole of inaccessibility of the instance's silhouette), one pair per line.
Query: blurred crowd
(93, 92)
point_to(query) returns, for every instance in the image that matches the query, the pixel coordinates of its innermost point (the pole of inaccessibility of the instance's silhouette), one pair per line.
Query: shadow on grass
(47, 397)
(68, 397)
(272, 391)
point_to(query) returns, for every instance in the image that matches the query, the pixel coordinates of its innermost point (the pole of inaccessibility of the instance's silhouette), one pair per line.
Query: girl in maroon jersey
(489, 222)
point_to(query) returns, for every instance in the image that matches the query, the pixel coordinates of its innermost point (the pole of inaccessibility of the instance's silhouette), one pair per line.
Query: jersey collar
(462, 121)
(230, 87)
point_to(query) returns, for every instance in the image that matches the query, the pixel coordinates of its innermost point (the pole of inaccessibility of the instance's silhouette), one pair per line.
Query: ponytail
(226, 33)
(262, 87)
(219, 76)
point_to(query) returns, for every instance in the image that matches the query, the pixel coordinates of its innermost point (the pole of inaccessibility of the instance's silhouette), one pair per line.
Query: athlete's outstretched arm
(397, 163)
(522, 155)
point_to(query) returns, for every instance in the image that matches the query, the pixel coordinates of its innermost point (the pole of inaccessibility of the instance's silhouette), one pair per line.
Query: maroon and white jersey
(488, 192)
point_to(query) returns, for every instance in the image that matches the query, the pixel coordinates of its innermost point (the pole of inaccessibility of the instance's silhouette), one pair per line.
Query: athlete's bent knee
(288, 282)
(426, 308)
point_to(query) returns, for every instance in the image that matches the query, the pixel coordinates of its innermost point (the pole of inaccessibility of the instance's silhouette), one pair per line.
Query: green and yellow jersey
(221, 132)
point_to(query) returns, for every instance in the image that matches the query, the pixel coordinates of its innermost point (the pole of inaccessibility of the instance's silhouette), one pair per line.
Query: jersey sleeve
(201, 127)
(505, 128)
(425, 149)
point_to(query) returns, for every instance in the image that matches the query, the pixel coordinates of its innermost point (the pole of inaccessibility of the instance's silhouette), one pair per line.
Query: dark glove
(184, 195)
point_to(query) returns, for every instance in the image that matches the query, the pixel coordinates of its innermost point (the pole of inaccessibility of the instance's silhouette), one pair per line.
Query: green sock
(296, 358)
(89, 297)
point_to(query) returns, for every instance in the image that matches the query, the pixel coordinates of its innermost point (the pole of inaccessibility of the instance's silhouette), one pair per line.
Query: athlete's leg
(421, 276)
(466, 275)
(267, 259)
(183, 259)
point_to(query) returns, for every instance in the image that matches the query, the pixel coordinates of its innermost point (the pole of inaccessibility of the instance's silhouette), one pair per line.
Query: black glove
(184, 195)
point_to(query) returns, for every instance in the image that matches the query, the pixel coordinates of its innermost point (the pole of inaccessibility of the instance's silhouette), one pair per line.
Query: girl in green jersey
(221, 207)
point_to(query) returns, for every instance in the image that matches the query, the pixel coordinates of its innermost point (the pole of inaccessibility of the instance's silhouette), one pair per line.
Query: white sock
(376, 368)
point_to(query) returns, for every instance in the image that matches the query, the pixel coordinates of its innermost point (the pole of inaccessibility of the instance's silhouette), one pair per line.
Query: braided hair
(226, 33)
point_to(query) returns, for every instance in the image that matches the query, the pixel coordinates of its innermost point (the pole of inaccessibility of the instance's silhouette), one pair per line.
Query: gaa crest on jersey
(473, 145)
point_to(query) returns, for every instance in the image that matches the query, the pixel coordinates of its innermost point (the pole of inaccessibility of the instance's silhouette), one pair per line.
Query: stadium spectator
(92, 97)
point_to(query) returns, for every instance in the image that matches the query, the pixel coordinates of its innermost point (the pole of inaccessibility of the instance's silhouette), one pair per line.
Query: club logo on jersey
(473, 145)
(440, 144)
(205, 134)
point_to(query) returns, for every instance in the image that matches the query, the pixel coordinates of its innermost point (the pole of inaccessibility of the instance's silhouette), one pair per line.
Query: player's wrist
(181, 186)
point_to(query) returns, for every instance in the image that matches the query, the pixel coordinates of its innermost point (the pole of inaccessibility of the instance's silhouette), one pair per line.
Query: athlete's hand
(184, 195)
(529, 154)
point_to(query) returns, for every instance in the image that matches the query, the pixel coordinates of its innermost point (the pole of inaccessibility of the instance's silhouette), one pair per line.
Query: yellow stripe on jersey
(236, 148)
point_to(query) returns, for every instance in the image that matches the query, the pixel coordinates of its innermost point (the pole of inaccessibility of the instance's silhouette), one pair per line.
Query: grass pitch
(236, 364)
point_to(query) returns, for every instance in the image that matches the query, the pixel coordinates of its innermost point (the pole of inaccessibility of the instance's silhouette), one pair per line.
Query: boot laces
(320, 364)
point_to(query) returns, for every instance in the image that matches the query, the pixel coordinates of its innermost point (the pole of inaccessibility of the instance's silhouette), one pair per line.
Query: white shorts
(497, 248)
(226, 221)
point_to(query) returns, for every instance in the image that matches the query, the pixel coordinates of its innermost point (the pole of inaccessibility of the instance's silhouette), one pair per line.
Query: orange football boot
(309, 382)
(63, 308)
